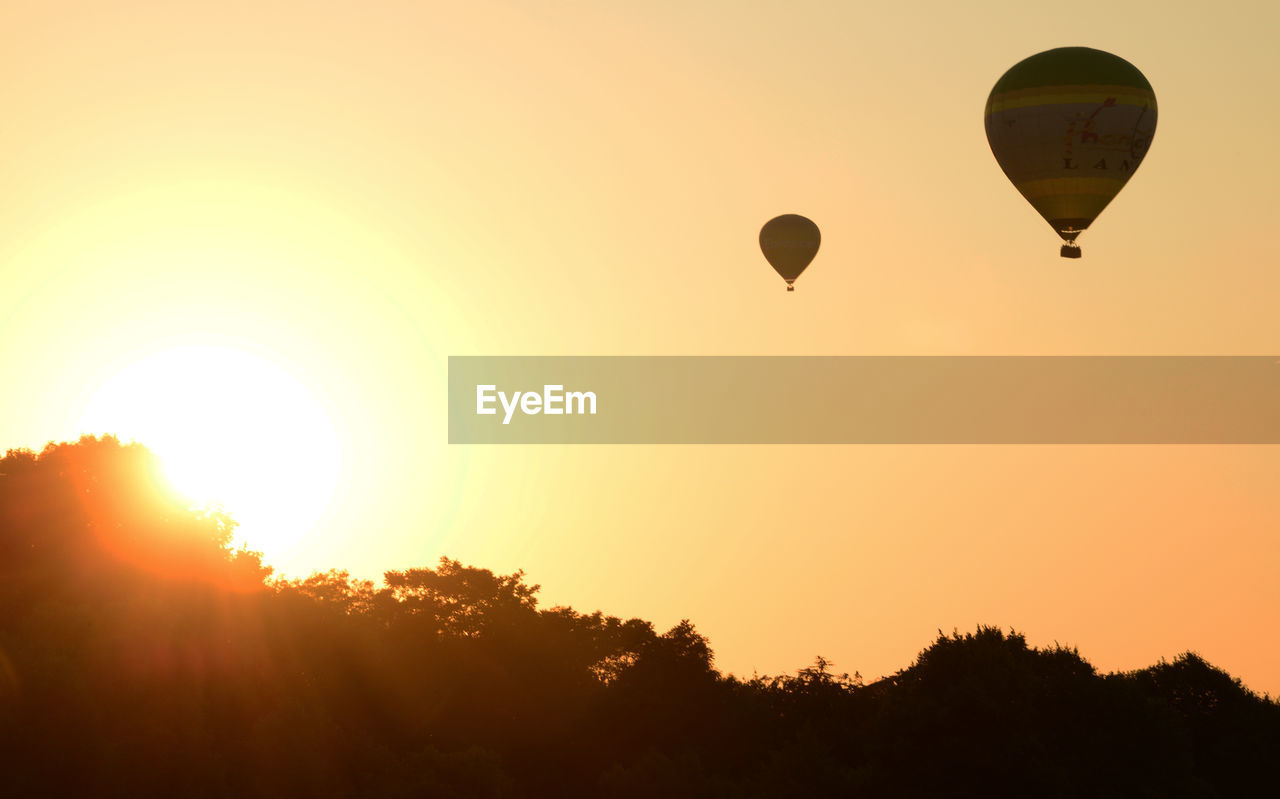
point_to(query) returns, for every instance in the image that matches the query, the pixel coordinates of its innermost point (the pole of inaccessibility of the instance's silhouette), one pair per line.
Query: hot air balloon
(789, 243)
(1069, 127)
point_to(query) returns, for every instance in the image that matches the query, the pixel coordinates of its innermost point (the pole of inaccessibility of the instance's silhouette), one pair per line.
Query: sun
(232, 428)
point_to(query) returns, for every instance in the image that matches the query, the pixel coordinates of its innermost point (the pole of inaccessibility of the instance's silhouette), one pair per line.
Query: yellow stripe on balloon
(1080, 95)
(1079, 88)
(1070, 198)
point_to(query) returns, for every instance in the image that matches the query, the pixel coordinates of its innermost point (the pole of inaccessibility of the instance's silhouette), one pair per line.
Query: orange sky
(356, 191)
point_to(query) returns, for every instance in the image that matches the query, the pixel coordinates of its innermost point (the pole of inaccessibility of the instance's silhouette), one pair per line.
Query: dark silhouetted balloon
(1069, 127)
(789, 243)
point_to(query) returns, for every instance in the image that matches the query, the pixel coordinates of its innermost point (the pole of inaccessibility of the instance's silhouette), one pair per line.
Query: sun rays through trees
(139, 651)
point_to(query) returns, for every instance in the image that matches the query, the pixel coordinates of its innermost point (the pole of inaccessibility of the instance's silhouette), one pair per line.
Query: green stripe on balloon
(1071, 65)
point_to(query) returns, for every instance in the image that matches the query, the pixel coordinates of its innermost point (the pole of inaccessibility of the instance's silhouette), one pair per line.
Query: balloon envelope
(1069, 127)
(789, 243)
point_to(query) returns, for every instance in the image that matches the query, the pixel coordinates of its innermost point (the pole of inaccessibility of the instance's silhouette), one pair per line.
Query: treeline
(141, 655)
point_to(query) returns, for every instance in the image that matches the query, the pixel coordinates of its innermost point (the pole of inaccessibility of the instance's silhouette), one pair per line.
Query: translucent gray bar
(866, 400)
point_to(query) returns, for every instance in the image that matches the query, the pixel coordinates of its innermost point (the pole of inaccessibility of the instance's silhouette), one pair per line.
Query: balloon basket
(1070, 251)
(790, 287)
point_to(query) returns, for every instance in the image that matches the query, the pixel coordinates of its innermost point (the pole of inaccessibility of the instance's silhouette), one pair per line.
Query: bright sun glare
(231, 428)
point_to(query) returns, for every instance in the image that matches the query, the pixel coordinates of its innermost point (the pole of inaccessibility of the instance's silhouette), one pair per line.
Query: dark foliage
(141, 656)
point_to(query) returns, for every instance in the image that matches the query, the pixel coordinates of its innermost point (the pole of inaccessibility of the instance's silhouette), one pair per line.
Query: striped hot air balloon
(1069, 127)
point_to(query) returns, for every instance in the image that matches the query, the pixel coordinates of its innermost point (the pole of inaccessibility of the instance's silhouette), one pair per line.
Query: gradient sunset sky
(355, 191)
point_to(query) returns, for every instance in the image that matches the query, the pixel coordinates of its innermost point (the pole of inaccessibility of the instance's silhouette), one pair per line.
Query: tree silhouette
(141, 654)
